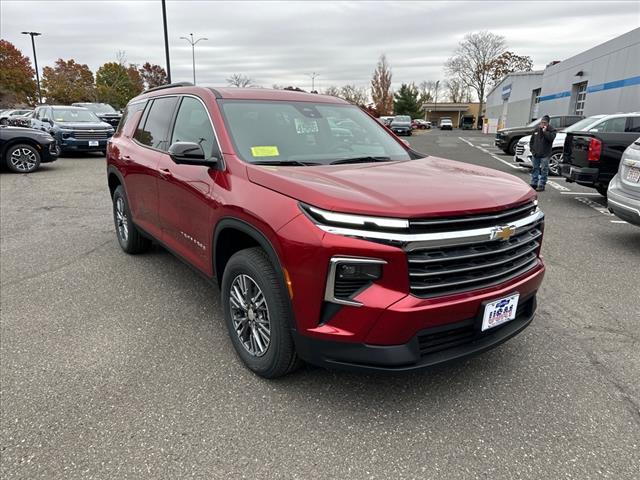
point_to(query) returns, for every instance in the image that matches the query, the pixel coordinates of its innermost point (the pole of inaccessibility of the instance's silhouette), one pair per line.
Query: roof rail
(170, 85)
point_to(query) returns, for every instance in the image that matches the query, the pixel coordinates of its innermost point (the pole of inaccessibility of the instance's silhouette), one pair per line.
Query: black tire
(278, 356)
(554, 163)
(129, 237)
(3, 121)
(602, 190)
(511, 148)
(22, 158)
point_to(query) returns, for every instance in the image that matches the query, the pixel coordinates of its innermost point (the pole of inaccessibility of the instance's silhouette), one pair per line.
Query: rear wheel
(22, 158)
(257, 314)
(554, 163)
(129, 237)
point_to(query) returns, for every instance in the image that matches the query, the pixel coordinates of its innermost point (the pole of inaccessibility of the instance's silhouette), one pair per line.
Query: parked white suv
(523, 154)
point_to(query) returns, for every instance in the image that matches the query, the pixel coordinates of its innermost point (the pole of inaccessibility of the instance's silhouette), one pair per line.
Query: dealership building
(603, 79)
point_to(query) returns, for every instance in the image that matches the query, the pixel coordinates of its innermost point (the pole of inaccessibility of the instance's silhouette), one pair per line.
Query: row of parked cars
(601, 152)
(31, 137)
(404, 125)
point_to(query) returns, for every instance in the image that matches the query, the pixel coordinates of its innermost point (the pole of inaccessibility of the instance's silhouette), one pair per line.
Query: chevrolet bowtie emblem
(502, 233)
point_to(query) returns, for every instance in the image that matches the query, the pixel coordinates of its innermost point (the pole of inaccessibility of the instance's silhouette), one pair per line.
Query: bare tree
(332, 90)
(471, 61)
(456, 90)
(427, 90)
(353, 94)
(381, 93)
(239, 80)
(509, 62)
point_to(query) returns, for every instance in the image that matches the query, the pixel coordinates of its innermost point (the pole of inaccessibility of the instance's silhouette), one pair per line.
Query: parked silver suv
(624, 189)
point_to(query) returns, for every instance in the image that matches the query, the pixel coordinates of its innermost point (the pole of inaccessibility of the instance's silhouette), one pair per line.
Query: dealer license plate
(633, 174)
(499, 312)
(94, 143)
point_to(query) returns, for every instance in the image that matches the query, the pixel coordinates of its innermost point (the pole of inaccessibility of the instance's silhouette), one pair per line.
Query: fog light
(359, 271)
(348, 276)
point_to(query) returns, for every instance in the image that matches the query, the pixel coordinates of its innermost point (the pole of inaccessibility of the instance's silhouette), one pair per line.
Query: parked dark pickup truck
(507, 138)
(592, 158)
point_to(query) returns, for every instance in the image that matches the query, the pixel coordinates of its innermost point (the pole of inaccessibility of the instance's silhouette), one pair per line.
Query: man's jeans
(540, 171)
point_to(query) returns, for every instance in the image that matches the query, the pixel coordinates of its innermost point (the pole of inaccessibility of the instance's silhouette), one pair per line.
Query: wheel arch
(114, 178)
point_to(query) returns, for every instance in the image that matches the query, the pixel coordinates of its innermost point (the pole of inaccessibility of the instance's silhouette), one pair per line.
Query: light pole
(313, 76)
(193, 52)
(35, 60)
(435, 105)
(166, 40)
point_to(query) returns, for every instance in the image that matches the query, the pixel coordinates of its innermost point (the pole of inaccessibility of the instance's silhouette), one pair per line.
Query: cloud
(283, 42)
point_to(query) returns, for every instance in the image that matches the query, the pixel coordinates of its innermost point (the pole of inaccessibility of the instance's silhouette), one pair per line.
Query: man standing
(540, 145)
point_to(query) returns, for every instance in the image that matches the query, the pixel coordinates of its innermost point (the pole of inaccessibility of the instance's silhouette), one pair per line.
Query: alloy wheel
(121, 219)
(554, 163)
(24, 159)
(250, 315)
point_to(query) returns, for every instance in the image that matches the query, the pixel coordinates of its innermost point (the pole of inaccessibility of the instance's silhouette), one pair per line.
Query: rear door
(186, 192)
(141, 160)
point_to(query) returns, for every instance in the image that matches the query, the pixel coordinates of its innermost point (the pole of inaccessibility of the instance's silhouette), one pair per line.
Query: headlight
(325, 217)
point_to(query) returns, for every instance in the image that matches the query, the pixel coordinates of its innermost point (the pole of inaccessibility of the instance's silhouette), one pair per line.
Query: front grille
(91, 135)
(461, 333)
(519, 149)
(468, 222)
(447, 269)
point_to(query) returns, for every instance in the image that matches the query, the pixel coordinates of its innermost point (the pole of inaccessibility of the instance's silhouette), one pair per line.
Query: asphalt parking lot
(115, 366)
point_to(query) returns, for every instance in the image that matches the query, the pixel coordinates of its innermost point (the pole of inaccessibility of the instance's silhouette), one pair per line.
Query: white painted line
(617, 221)
(557, 186)
(509, 164)
(596, 206)
(485, 144)
(594, 194)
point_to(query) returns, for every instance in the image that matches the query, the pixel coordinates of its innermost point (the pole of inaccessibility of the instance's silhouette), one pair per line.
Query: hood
(401, 124)
(415, 188)
(84, 126)
(523, 129)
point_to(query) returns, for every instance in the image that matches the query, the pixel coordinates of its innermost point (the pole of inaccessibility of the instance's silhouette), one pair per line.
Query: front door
(185, 192)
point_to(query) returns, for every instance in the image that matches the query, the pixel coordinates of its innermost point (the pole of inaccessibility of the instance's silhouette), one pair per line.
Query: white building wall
(612, 73)
(516, 109)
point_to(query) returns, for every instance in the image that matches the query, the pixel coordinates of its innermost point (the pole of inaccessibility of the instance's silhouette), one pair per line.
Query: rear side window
(633, 126)
(129, 113)
(555, 122)
(156, 124)
(193, 125)
(613, 125)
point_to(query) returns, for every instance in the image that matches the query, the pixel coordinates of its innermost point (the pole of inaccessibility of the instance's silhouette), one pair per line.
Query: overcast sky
(283, 42)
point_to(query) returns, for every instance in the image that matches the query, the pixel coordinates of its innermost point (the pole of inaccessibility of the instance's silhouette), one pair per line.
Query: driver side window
(193, 125)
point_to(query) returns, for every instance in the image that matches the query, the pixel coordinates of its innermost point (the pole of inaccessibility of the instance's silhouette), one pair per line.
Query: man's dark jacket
(542, 141)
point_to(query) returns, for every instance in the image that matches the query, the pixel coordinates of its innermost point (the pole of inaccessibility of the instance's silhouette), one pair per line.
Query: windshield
(100, 107)
(73, 115)
(583, 124)
(534, 123)
(305, 132)
(402, 118)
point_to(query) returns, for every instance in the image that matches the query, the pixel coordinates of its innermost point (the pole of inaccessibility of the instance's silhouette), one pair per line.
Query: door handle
(165, 173)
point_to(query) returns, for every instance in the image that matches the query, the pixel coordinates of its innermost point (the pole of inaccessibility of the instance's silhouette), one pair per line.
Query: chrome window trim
(424, 240)
(329, 294)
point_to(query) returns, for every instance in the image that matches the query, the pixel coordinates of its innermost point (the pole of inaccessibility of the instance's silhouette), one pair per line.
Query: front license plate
(633, 175)
(499, 312)
(94, 143)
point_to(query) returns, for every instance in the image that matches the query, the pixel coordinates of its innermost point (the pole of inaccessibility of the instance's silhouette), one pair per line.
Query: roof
(246, 94)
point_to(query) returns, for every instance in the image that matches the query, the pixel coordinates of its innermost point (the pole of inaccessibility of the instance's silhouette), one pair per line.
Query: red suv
(332, 241)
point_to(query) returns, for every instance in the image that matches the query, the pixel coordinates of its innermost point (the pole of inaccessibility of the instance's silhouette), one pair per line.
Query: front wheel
(511, 149)
(22, 158)
(257, 314)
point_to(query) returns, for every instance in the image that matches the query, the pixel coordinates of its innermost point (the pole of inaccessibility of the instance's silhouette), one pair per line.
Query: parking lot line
(617, 221)
(596, 206)
(559, 187)
(591, 194)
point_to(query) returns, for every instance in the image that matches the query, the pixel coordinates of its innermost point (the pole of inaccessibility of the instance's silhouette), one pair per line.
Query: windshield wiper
(285, 163)
(361, 160)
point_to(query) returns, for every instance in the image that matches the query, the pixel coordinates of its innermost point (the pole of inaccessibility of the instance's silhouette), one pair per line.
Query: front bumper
(500, 142)
(427, 348)
(74, 145)
(622, 204)
(446, 127)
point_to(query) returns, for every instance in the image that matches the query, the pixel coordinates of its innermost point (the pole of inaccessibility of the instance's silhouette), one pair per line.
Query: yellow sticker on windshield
(265, 151)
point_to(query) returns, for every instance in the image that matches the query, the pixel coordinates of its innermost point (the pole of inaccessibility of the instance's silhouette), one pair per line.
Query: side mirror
(189, 153)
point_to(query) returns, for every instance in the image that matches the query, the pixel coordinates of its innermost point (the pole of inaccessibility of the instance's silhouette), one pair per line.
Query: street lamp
(435, 105)
(313, 76)
(35, 60)
(193, 52)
